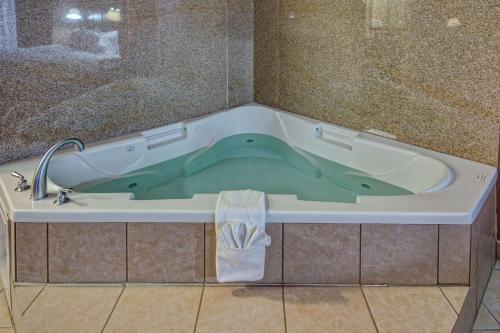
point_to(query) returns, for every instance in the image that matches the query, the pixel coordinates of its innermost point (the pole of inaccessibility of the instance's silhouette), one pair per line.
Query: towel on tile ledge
(240, 222)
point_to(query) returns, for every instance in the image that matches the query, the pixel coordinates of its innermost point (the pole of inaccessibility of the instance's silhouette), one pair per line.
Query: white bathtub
(448, 190)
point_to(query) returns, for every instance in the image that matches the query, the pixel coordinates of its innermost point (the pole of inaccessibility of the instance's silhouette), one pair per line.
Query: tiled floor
(5, 320)
(213, 308)
(488, 318)
(167, 308)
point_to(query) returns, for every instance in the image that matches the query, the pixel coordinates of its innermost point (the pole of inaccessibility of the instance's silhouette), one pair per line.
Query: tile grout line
(11, 315)
(9, 311)
(369, 309)
(284, 307)
(199, 308)
(114, 307)
(491, 314)
(33, 300)
(486, 288)
(449, 302)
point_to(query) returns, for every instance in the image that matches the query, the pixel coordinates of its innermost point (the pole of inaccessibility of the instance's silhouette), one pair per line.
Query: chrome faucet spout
(39, 185)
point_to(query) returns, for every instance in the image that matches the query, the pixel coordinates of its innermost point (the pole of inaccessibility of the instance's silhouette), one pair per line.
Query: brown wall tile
(486, 243)
(321, 253)
(468, 312)
(481, 242)
(31, 252)
(479, 291)
(474, 248)
(87, 252)
(399, 254)
(165, 252)
(454, 254)
(497, 195)
(274, 258)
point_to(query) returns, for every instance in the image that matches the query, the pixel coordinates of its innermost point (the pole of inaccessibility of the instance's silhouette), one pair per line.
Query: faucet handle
(62, 197)
(16, 174)
(22, 183)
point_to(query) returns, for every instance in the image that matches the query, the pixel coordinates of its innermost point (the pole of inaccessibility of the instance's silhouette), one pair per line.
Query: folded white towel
(240, 222)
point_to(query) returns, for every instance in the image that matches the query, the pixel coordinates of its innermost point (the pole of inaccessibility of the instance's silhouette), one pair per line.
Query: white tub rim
(455, 200)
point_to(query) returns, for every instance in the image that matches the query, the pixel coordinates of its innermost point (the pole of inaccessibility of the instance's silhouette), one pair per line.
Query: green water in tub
(247, 161)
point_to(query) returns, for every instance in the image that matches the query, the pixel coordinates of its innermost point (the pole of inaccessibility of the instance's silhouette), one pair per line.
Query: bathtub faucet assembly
(39, 185)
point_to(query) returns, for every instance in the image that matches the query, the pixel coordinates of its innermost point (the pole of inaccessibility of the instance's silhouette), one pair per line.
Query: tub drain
(365, 186)
(132, 185)
(249, 140)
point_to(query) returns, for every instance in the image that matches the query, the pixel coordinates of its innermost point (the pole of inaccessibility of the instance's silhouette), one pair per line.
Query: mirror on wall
(63, 26)
(98, 69)
(54, 57)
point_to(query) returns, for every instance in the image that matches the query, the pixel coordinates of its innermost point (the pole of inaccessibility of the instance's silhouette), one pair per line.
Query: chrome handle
(62, 197)
(16, 174)
(22, 184)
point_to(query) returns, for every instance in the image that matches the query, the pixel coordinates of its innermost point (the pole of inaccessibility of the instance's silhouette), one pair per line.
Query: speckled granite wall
(425, 71)
(163, 61)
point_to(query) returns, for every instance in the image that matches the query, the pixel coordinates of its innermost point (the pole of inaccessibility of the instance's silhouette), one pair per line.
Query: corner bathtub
(438, 188)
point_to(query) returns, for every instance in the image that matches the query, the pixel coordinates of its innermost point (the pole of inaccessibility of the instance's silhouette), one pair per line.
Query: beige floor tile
(71, 309)
(410, 309)
(497, 265)
(4, 311)
(492, 295)
(456, 296)
(7, 330)
(156, 309)
(484, 320)
(327, 309)
(26, 294)
(241, 310)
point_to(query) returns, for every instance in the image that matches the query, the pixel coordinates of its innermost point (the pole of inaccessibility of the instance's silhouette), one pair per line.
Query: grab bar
(163, 135)
(335, 136)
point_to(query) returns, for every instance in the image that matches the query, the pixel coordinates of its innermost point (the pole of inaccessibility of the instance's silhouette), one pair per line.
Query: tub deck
(448, 190)
(300, 253)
